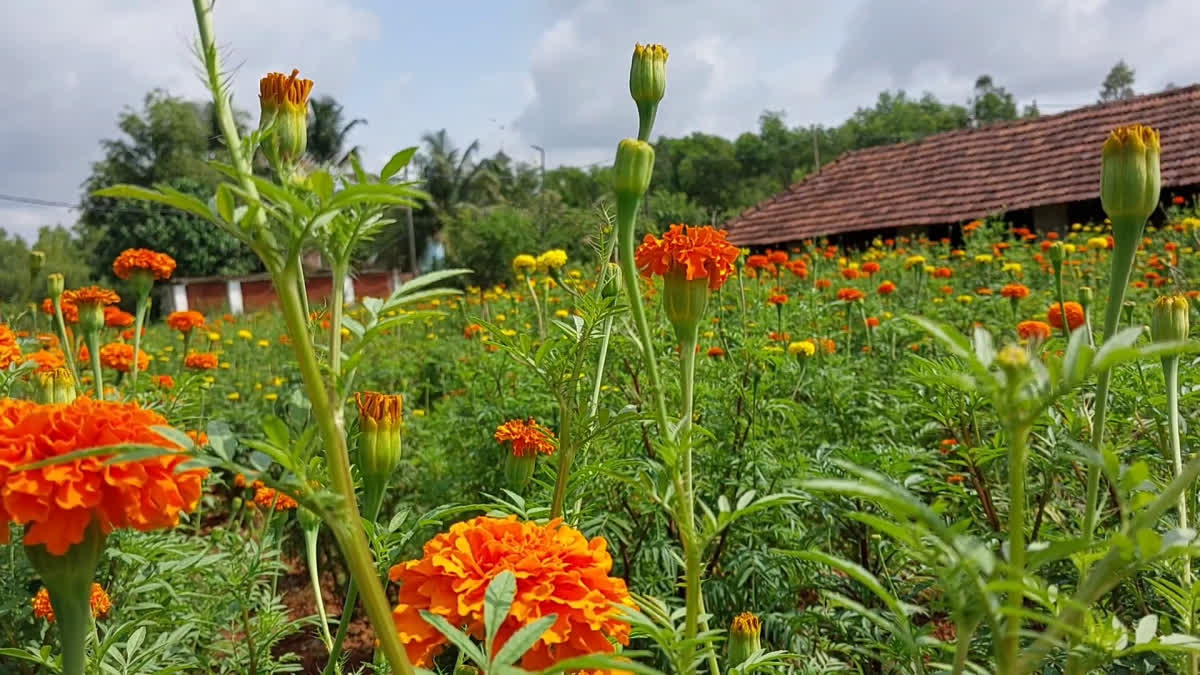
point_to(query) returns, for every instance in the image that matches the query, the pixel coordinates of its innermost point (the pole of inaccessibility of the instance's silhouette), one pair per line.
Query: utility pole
(541, 190)
(816, 149)
(412, 237)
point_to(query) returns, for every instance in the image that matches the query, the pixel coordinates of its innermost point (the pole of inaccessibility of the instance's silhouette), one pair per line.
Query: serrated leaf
(460, 639)
(497, 600)
(522, 640)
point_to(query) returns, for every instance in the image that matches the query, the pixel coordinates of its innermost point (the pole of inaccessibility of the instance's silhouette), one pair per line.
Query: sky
(552, 73)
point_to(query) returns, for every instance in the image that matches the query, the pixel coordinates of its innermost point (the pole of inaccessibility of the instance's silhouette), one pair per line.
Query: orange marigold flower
(947, 446)
(757, 261)
(828, 346)
(850, 274)
(98, 600)
(201, 361)
(984, 291)
(41, 605)
(943, 273)
(779, 337)
(119, 357)
(1034, 330)
(777, 299)
(558, 572)
(1015, 291)
(1074, 312)
(870, 267)
(185, 322)
(10, 351)
(823, 284)
(872, 322)
(163, 381)
(91, 295)
(59, 501)
(47, 360)
(955, 479)
(777, 257)
(472, 330)
(697, 252)
(269, 498)
(114, 317)
(526, 437)
(133, 259)
(69, 310)
(850, 295)
(886, 288)
(715, 352)
(198, 437)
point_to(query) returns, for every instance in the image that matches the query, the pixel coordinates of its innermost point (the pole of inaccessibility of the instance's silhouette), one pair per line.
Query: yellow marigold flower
(966, 299)
(1068, 248)
(930, 269)
(914, 261)
(984, 258)
(1013, 267)
(419, 412)
(1097, 243)
(1076, 226)
(214, 337)
(804, 348)
(233, 396)
(271, 396)
(264, 343)
(524, 263)
(562, 313)
(744, 637)
(552, 260)
(245, 334)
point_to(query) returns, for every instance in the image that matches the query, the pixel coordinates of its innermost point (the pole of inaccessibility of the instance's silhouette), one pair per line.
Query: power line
(38, 202)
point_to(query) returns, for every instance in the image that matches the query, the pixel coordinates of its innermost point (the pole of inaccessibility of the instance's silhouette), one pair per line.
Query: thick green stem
(566, 453)
(142, 306)
(73, 614)
(962, 650)
(1125, 247)
(374, 504)
(594, 405)
(687, 507)
(1062, 305)
(537, 305)
(346, 523)
(1170, 365)
(68, 345)
(1010, 643)
(626, 215)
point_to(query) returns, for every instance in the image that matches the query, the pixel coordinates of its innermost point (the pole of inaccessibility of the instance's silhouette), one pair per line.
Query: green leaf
(1147, 628)
(322, 184)
(397, 162)
(859, 574)
(497, 600)
(224, 203)
(179, 200)
(602, 662)
(425, 280)
(276, 431)
(460, 639)
(1117, 348)
(523, 639)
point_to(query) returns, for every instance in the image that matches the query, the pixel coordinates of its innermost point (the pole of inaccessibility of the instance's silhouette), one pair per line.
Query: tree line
(482, 211)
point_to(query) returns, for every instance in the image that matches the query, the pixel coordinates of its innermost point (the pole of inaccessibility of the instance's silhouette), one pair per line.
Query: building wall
(251, 295)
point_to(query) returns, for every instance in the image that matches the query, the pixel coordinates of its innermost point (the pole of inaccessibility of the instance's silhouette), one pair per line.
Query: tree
(169, 141)
(65, 255)
(1118, 84)
(1031, 111)
(991, 103)
(328, 131)
(449, 175)
(897, 118)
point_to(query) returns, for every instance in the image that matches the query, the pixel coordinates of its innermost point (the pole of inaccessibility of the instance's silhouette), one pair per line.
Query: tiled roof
(966, 174)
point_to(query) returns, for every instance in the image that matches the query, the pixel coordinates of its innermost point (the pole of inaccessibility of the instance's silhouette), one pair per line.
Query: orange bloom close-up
(201, 361)
(526, 437)
(98, 600)
(886, 288)
(1034, 330)
(1074, 312)
(778, 299)
(186, 321)
(69, 310)
(558, 571)
(119, 357)
(270, 498)
(46, 360)
(57, 502)
(161, 265)
(698, 252)
(114, 317)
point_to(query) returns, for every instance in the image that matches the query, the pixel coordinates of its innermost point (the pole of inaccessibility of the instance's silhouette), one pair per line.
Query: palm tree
(327, 133)
(449, 175)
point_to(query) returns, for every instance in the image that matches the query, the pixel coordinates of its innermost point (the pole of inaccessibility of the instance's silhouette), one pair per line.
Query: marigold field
(902, 455)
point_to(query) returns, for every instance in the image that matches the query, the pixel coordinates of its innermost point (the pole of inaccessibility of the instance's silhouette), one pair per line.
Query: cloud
(70, 66)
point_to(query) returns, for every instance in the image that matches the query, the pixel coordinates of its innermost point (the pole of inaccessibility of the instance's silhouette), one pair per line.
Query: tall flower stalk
(1129, 187)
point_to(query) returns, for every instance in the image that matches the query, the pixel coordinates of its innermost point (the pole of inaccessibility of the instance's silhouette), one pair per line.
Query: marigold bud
(55, 284)
(1012, 359)
(1086, 297)
(37, 260)
(379, 417)
(744, 637)
(1056, 254)
(633, 168)
(612, 281)
(283, 101)
(1169, 319)
(56, 386)
(684, 303)
(1129, 174)
(647, 84)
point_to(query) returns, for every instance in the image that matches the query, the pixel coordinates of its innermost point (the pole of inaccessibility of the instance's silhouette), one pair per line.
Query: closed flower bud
(647, 83)
(684, 303)
(633, 168)
(379, 417)
(1086, 296)
(1129, 174)
(1056, 254)
(56, 386)
(466, 670)
(1012, 360)
(1169, 319)
(55, 285)
(37, 260)
(744, 638)
(283, 102)
(612, 281)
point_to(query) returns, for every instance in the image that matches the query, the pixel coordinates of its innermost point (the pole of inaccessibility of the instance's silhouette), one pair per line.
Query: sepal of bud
(379, 417)
(37, 260)
(56, 386)
(283, 102)
(633, 168)
(647, 84)
(518, 469)
(55, 285)
(1170, 319)
(1056, 254)
(612, 281)
(1086, 297)
(684, 303)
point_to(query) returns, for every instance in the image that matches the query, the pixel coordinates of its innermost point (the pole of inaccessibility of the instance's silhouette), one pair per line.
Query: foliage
(1118, 84)
(64, 254)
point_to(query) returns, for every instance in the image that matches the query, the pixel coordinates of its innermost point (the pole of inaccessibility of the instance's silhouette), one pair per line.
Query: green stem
(336, 300)
(251, 650)
(626, 215)
(73, 614)
(1010, 644)
(1170, 365)
(375, 503)
(142, 306)
(68, 345)
(595, 402)
(687, 507)
(93, 340)
(314, 577)
(345, 522)
(537, 304)
(566, 453)
(962, 650)
(1062, 306)
(1125, 247)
